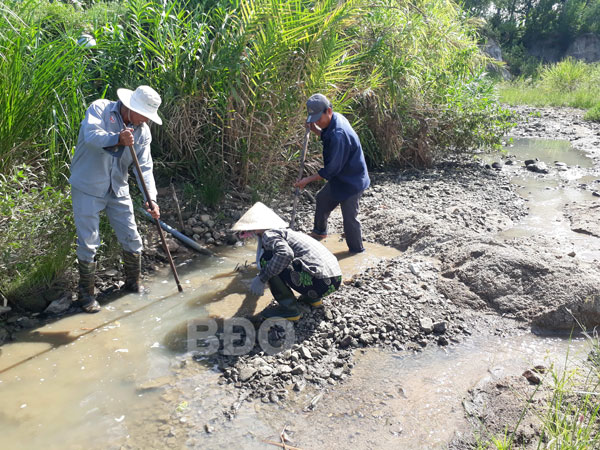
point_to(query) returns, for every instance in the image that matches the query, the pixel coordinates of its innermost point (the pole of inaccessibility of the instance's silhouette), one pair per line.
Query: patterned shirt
(292, 247)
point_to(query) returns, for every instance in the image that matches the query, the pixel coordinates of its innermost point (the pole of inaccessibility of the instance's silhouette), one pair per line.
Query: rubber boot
(86, 296)
(314, 302)
(287, 304)
(132, 264)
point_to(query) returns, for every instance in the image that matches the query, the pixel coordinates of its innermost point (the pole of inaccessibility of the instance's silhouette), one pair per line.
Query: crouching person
(288, 261)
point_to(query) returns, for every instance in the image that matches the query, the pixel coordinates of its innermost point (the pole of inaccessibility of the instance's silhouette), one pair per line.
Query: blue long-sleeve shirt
(94, 170)
(345, 167)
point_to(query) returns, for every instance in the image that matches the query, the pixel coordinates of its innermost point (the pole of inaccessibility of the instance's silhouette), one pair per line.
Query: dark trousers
(293, 277)
(350, 208)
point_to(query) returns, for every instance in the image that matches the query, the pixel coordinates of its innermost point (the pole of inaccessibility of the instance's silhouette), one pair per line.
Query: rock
(266, 370)
(299, 386)
(426, 324)
(299, 369)
(346, 341)
(439, 327)
(205, 218)
(59, 306)
(337, 372)
(284, 368)
(208, 428)
(246, 373)
(305, 353)
(414, 268)
(538, 167)
(27, 322)
(497, 165)
(585, 47)
(172, 245)
(531, 377)
(111, 273)
(549, 50)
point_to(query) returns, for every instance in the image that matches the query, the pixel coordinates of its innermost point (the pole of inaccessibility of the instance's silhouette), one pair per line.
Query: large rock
(586, 48)
(493, 50)
(524, 281)
(548, 50)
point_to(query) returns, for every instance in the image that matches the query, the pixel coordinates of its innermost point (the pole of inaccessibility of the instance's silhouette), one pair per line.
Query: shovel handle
(151, 205)
(300, 173)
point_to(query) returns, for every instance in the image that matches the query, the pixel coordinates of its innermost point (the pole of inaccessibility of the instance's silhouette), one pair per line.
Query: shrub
(37, 235)
(593, 114)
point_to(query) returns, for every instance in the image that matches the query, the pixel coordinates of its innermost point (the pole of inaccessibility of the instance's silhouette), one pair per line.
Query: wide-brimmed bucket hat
(259, 217)
(144, 100)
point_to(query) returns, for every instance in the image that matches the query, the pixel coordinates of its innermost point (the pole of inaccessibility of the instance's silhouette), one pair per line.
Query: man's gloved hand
(257, 287)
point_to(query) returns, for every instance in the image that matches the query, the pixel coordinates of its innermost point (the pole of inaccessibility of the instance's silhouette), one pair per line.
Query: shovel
(300, 173)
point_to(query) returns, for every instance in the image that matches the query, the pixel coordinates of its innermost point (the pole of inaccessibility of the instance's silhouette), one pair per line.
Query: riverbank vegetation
(530, 33)
(569, 416)
(567, 83)
(234, 76)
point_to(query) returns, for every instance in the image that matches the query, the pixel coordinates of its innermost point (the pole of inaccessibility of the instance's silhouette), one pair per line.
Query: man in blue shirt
(344, 169)
(99, 174)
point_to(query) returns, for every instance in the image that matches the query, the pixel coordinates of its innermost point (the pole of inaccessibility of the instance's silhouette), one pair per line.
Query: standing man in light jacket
(99, 174)
(344, 169)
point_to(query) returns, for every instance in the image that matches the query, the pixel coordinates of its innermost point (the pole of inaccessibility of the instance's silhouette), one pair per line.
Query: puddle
(81, 378)
(548, 195)
(549, 151)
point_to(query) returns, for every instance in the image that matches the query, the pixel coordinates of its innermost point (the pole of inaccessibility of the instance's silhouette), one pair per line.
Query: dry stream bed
(464, 261)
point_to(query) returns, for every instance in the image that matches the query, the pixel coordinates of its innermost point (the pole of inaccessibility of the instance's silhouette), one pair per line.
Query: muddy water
(547, 195)
(93, 378)
(415, 401)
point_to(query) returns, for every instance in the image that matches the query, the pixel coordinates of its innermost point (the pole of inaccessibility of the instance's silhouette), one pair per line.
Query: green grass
(570, 416)
(36, 243)
(593, 114)
(567, 83)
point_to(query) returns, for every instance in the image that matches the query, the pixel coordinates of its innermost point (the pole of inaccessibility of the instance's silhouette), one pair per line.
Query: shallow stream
(116, 378)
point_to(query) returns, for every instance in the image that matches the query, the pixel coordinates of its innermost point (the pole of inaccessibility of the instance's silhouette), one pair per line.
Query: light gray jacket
(98, 165)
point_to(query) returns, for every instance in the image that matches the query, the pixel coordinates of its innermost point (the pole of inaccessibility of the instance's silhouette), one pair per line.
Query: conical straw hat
(259, 217)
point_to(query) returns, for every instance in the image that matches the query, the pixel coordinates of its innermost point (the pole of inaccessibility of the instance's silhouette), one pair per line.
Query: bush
(593, 114)
(567, 83)
(37, 235)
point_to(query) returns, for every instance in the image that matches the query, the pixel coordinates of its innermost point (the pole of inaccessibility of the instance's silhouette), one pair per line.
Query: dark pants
(300, 281)
(350, 208)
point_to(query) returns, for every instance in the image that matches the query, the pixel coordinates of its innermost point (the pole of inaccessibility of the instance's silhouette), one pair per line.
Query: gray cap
(316, 105)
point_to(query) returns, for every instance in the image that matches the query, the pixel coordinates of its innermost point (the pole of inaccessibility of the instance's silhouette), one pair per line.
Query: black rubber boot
(132, 264)
(287, 307)
(86, 296)
(314, 302)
